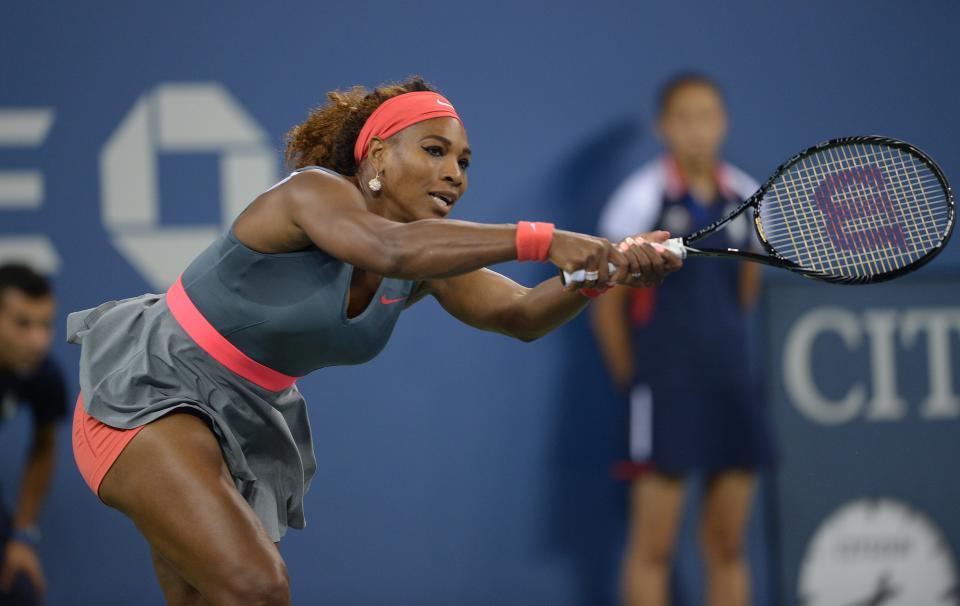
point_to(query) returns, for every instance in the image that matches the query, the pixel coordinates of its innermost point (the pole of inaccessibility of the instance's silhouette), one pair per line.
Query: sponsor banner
(865, 399)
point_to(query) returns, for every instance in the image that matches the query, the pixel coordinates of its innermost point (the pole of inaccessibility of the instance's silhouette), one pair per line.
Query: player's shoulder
(311, 180)
(314, 188)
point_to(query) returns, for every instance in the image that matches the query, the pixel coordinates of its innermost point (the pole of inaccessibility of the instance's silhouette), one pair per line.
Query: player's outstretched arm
(332, 214)
(490, 301)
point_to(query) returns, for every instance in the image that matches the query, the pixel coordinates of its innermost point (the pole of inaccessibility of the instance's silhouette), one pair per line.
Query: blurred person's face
(425, 168)
(26, 329)
(694, 123)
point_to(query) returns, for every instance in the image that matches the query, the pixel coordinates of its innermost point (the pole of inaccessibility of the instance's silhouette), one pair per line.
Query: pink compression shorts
(97, 446)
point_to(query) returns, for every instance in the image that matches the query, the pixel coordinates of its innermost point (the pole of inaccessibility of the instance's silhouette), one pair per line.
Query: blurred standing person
(29, 377)
(680, 350)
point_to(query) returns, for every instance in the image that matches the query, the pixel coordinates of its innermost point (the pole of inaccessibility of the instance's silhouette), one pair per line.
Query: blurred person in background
(28, 377)
(679, 352)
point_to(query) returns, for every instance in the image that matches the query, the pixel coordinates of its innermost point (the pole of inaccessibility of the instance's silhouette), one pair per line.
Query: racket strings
(864, 227)
(856, 210)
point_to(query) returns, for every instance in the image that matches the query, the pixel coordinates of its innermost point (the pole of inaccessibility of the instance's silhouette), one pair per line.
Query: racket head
(855, 210)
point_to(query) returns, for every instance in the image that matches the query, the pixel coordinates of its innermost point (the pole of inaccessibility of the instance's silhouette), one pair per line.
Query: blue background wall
(458, 467)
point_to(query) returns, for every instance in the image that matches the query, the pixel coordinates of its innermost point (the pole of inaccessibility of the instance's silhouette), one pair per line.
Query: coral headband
(397, 113)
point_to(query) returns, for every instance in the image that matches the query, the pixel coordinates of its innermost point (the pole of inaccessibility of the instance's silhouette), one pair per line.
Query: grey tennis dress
(228, 340)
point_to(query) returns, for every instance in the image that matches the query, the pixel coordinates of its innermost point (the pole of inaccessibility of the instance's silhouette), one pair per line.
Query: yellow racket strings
(855, 210)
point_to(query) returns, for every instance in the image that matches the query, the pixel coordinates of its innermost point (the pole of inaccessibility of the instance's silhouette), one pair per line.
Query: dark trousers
(23, 592)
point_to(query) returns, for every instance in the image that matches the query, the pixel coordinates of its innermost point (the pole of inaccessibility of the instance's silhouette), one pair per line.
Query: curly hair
(326, 138)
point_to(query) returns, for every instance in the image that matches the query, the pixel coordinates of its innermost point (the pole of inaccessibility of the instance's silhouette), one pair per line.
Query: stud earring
(375, 183)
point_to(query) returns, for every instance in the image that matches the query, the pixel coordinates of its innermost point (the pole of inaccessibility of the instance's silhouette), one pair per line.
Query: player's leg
(176, 590)
(656, 508)
(726, 511)
(171, 480)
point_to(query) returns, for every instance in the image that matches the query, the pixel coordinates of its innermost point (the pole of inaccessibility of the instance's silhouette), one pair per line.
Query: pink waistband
(215, 344)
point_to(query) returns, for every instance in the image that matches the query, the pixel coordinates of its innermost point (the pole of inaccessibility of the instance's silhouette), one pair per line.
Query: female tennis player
(189, 420)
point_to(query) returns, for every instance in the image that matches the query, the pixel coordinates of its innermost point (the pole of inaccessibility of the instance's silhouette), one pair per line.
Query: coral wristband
(533, 241)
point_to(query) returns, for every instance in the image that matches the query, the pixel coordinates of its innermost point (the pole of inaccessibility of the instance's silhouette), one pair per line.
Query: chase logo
(195, 117)
(23, 190)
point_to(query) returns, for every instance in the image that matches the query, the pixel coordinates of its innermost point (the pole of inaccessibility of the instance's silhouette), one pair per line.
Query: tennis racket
(854, 210)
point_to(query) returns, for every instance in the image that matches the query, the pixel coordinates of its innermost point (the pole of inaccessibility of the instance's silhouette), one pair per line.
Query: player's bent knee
(263, 581)
(260, 586)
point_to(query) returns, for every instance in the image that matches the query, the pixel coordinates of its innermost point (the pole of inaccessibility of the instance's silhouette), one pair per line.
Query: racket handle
(674, 245)
(581, 274)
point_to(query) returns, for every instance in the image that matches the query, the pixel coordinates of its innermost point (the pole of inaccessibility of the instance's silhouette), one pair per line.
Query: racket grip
(676, 246)
(581, 274)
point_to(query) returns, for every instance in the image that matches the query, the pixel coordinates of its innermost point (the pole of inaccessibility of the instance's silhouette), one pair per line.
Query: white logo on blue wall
(885, 334)
(188, 118)
(24, 190)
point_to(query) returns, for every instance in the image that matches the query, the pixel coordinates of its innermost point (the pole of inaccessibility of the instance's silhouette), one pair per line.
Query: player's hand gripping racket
(853, 210)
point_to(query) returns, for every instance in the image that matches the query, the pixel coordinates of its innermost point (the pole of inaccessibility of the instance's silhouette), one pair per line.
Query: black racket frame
(775, 259)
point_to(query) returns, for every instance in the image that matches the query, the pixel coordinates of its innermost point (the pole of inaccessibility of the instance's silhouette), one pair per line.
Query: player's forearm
(35, 481)
(542, 309)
